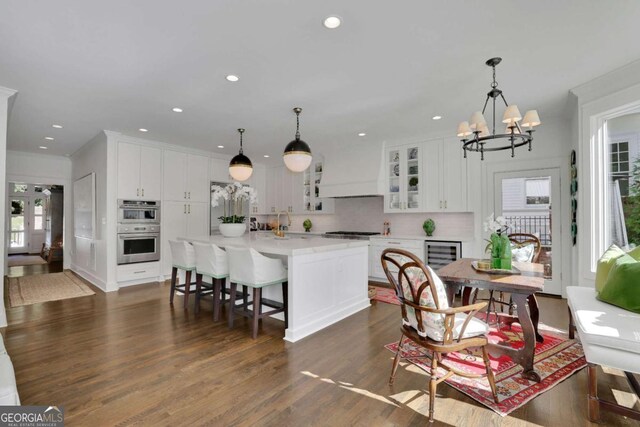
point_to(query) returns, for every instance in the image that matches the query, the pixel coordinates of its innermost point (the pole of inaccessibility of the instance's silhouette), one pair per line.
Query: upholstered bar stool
(211, 261)
(183, 258)
(249, 268)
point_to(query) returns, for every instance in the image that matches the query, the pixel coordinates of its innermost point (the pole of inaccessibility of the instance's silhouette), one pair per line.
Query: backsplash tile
(367, 214)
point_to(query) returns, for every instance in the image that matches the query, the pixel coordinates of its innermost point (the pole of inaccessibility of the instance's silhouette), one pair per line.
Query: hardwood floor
(129, 358)
(27, 270)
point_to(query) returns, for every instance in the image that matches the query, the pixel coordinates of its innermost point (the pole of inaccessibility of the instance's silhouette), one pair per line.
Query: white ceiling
(122, 64)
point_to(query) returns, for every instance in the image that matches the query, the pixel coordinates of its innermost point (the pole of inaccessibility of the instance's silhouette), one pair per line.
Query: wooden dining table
(522, 287)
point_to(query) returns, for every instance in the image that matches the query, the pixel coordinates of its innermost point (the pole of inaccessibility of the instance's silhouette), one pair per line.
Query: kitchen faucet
(277, 231)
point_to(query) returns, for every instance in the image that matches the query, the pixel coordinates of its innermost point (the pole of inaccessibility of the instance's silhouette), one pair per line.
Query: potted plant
(232, 197)
(413, 183)
(429, 226)
(307, 225)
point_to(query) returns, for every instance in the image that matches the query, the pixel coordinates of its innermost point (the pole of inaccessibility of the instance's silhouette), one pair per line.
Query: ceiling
(122, 65)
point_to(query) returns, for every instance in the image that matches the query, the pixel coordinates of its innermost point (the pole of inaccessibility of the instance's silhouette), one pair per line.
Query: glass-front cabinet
(404, 179)
(312, 177)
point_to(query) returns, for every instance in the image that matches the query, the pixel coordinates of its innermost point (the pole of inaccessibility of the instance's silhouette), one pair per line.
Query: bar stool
(211, 261)
(184, 258)
(249, 268)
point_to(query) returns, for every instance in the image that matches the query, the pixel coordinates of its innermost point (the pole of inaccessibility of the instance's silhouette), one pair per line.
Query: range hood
(353, 170)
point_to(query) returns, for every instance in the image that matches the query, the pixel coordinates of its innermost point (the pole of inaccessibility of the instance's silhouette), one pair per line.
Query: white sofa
(610, 337)
(8, 388)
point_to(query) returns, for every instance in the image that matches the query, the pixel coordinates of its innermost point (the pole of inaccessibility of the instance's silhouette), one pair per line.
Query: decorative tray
(513, 270)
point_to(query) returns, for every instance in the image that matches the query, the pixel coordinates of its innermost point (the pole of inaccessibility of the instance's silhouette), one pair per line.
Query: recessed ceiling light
(48, 138)
(57, 126)
(143, 130)
(176, 110)
(266, 156)
(332, 22)
(42, 147)
(436, 117)
(232, 78)
(362, 134)
(220, 146)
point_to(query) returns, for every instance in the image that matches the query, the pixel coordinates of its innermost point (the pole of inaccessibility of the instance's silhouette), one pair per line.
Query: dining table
(523, 282)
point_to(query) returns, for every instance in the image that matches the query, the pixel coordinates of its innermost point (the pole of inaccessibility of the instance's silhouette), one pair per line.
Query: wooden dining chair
(522, 240)
(429, 321)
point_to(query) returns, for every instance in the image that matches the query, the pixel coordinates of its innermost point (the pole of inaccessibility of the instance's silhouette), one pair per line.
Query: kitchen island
(327, 277)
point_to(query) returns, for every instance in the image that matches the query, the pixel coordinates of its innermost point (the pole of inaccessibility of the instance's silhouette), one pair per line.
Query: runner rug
(556, 359)
(37, 288)
(383, 294)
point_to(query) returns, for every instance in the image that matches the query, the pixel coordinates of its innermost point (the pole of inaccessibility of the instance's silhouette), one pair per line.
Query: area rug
(387, 295)
(17, 260)
(556, 359)
(29, 290)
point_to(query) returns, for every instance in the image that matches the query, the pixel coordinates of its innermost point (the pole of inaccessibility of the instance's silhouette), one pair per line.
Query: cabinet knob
(187, 193)
(189, 211)
(185, 208)
(445, 204)
(143, 192)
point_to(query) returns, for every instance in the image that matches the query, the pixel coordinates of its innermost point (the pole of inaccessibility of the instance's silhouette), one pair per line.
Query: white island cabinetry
(327, 277)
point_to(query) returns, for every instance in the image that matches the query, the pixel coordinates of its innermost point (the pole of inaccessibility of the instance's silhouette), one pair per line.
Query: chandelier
(475, 135)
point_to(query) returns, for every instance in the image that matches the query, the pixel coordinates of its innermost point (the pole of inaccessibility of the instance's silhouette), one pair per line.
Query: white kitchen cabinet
(258, 181)
(180, 219)
(379, 244)
(446, 176)
(405, 178)
(311, 180)
(139, 172)
(220, 170)
(186, 177)
(280, 190)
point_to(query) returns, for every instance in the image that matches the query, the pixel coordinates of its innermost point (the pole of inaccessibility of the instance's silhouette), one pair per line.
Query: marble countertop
(267, 243)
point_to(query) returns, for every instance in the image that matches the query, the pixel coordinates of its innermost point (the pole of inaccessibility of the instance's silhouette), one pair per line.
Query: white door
(198, 178)
(19, 224)
(175, 176)
(128, 171)
(150, 173)
(197, 219)
(37, 218)
(530, 201)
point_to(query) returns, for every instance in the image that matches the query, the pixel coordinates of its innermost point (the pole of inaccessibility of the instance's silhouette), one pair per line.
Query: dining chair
(429, 321)
(211, 261)
(249, 268)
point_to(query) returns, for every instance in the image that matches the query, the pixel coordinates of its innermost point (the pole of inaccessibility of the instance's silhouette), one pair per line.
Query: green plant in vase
(499, 244)
(307, 225)
(429, 226)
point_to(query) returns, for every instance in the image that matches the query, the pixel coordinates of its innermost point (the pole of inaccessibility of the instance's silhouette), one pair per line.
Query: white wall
(35, 168)
(89, 257)
(6, 102)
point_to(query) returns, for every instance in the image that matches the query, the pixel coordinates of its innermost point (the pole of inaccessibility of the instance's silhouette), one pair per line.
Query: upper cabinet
(220, 170)
(311, 180)
(426, 177)
(404, 175)
(139, 172)
(186, 177)
(284, 191)
(258, 181)
(446, 169)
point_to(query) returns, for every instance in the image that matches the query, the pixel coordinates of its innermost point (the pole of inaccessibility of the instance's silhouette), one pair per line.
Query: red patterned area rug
(556, 359)
(387, 295)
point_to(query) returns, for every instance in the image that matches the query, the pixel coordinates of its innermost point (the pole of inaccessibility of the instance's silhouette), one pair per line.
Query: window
(537, 191)
(620, 166)
(38, 214)
(20, 188)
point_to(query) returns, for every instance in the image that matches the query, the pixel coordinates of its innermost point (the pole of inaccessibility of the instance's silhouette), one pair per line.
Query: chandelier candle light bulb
(482, 139)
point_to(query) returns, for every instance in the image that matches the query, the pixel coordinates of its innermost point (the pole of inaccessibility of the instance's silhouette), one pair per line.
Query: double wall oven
(138, 231)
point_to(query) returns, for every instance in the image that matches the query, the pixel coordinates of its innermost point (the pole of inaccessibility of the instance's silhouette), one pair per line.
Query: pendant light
(240, 167)
(297, 154)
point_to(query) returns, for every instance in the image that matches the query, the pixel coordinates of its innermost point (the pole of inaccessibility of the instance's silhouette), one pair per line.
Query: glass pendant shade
(297, 154)
(240, 167)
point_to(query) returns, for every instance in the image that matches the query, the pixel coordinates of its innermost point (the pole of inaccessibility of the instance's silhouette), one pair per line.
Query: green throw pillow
(622, 287)
(604, 265)
(635, 253)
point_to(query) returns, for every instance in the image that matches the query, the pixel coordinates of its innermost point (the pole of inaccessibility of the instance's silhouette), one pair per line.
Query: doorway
(35, 235)
(530, 202)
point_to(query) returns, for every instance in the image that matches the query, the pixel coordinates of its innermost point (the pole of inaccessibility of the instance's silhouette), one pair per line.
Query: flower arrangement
(499, 244)
(232, 197)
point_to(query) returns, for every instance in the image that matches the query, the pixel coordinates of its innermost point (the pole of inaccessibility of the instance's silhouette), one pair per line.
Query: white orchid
(234, 195)
(497, 225)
